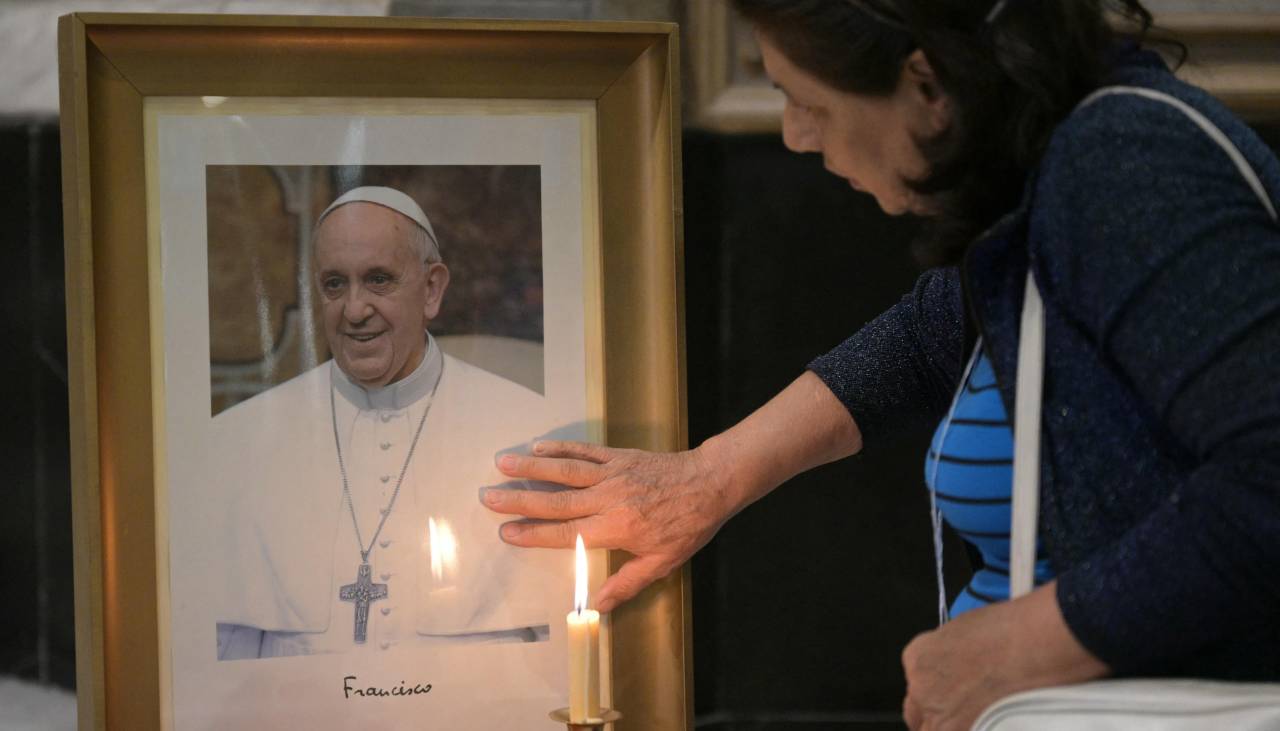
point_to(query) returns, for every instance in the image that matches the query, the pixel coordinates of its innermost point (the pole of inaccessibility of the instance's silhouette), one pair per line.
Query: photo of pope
(352, 520)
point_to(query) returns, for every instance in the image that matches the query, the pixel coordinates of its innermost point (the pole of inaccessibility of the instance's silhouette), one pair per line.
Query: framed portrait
(322, 272)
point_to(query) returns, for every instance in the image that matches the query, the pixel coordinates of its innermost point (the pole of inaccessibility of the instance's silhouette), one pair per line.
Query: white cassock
(291, 542)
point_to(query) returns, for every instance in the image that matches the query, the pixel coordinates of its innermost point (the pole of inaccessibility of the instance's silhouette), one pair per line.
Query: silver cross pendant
(362, 592)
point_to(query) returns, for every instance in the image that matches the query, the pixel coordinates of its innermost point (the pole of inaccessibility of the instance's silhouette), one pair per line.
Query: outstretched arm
(663, 507)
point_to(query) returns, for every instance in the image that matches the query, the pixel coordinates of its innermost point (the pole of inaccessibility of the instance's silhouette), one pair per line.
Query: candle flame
(580, 577)
(444, 549)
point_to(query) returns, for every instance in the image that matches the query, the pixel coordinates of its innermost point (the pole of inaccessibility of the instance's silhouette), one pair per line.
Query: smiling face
(377, 296)
(870, 141)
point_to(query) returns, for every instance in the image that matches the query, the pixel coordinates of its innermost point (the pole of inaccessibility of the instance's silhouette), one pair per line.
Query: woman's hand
(956, 671)
(661, 507)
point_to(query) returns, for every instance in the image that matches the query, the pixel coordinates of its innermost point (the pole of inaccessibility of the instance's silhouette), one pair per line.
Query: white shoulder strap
(1203, 123)
(1026, 443)
(1030, 379)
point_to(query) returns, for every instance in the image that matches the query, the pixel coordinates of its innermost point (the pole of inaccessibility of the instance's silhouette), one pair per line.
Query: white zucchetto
(387, 198)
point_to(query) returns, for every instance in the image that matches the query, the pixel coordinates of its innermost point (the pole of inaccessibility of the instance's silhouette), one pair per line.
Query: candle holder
(607, 715)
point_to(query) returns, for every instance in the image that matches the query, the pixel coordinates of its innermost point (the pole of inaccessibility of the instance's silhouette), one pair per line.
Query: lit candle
(584, 647)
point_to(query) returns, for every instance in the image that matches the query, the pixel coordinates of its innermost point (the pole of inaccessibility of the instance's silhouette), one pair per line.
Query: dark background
(804, 601)
(801, 604)
(37, 632)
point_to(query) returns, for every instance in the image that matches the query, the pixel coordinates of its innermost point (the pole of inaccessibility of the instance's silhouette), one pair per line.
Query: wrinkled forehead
(368, 229)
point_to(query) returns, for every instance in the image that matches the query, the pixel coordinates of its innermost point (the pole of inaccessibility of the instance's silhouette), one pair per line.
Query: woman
(1160, 271)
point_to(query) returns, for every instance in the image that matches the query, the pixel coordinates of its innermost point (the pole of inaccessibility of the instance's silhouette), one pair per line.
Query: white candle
(584, 647)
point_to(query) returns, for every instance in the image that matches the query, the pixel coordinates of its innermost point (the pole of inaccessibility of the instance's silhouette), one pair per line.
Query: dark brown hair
(1012, 78)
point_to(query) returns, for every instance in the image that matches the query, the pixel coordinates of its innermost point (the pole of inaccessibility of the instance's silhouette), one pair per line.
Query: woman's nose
(799, 133)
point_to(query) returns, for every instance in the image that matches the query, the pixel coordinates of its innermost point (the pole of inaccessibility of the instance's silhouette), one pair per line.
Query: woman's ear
(924, 92)
(918, 73)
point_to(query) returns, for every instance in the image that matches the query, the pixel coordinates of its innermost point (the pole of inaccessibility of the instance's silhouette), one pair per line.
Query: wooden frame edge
(677, 206)
(241, 20)
(663, 610)
(86, 516)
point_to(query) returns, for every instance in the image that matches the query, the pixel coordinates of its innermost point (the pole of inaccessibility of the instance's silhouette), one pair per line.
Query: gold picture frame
(111, 64)
(1232, 55)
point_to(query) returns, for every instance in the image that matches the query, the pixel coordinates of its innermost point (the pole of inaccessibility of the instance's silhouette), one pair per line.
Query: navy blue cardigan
(1160, 483)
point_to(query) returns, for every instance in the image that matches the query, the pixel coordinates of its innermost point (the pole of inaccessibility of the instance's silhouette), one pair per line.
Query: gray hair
(424, 246)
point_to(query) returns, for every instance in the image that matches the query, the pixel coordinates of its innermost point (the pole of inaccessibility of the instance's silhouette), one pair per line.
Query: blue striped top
(975, 483)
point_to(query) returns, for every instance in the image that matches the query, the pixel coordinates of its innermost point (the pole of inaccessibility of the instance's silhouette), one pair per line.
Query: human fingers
(630, 580)
(912, 712)
(571, 472)
(912, 715)
(574, 450)
(551, 505)
(549, 534)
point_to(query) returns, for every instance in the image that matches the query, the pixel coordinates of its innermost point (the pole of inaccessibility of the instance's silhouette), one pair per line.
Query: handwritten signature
(404, 689)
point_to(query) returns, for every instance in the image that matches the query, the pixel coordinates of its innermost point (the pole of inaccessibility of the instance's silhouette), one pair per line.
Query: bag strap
(1030, 378)
(1026, 443)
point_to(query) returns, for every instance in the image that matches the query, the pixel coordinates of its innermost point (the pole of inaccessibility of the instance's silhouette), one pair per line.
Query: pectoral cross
(362, 592)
